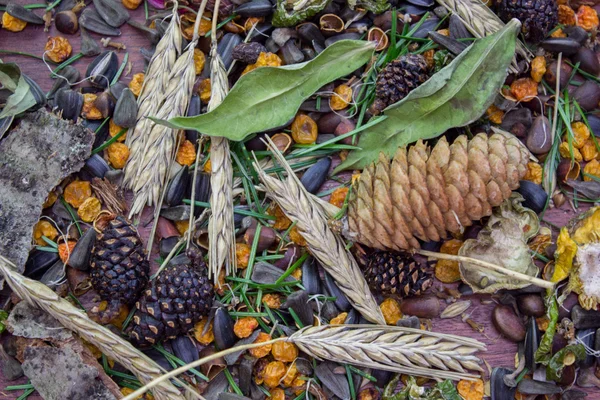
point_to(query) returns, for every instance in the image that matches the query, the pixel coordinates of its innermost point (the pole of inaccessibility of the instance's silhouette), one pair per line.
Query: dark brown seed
(291, 255)
(314, 177)
(178, 187)
(298, 301)
(223, 329)
(532, 340)
(588, 61)
(508, 324)
(534, 195)
(567, 170)
(267, 274)
(539, 138)
(105, 103)
(585, 319)
(566, 46)
(551, 74)
(329, 122)
(66, 22)
(587, 95)
(268, 237)
(310, 276)
(531, 305)
(421, 306)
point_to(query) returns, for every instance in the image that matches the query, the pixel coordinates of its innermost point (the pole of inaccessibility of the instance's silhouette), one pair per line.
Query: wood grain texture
(32, 40)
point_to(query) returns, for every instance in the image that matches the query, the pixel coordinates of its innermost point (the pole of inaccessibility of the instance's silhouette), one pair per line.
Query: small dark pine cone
(397, 79)
(119, 268)
(537, 16)
(248, 52)
(397, 273)
(171, 304)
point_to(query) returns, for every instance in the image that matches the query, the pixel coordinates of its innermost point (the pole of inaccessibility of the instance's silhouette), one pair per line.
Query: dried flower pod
(331, 23)
(378, 37)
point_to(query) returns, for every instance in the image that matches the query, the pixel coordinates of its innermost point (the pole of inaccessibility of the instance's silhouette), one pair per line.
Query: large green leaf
(270, 96)
(21, 99)
(456, 96)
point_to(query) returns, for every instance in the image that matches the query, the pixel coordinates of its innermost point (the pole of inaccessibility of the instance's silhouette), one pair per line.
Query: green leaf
(444, 390)
(270, 96)
(544, 350)
(21, 99)
(287, 15)
(456, 96)
(556, 363)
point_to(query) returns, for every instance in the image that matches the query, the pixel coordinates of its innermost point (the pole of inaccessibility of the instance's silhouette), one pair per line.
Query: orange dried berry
(282, 222)
(470, 390)
(77, 192)
(558, 34)
(186, 155)
(342, 96)
(204, 90)
(524, 89)
(542, 323)
(272, 300)
(592, 168)
(429, 54)
(262, 351)
(290, 375)
(538, 68)
(204, 338)
(242, 254)
(566, 15)
(250, 22)
(296, 237)
(65, 249)
(132, 4)
(274, 371)
(259, 370)
(114, 130)
(299, 385)
(304, 129)
(137, 81)
(589, 150)
(264, 60)
(207, 167)
(587, 18)
(182, 226)
(339, 319)
(390, 309)
(565, 151)
(117, 154)
(89, 209)
(89, 111)
(495, 114)
(52, 197)
(12, 24)
(245, 326)
(445, 270)
(199, 61)
(581, 134)
(284, 351)
(339, 196)
(44, 228)
(57, 49)
(277, 394)
(534, 173)
(297, 274)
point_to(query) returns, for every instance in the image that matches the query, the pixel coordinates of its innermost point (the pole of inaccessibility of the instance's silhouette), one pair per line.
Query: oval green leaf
(270, 96)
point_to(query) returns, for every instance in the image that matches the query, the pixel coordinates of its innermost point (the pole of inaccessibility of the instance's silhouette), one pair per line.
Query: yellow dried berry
(114, 130)
(587, 18)
(534, 173)
(592, 168)
(495, 114)
(262, 351)
(304, 129)
(444, 32)
(199, 60)
(428, 55)
(542, 323)
(12, 24)
(296, 237)
(186, 155)
(581, 134)
(341, 98)
(524, 89)
(245, 326)
(589, 150)
(65, 249)
(89, 111)
(339, 319)
(132, 4)
(470, 390)
(445, 270)
(182, 226)
(284, 351)
(297, 274)
(264, 60)
(204, 90)
(558, 33)
(282, 222)
(250, 22)
(299, 385)
(242, 254)
(44, 228)
(203, 29)
(77, 192)
(566, 15)
(121, 316)
(565, 151)
(117, 154)
(290, 375)
(57, 49)
(339, 196)
(52, 197)
(204, 338)
(538, 68)
(272, 300)
(127, 391)
(89, 209)
(137, 81)
(277, 394)
(274, 371)
(390, 309)
(207, 167)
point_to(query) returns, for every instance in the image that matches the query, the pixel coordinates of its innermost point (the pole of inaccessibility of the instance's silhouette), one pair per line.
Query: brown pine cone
(423, 194)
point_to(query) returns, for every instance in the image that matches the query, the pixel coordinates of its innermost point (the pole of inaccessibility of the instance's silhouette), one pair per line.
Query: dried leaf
(503, 241)
(566, 249)
(288, 15)
(544, 350)
(21, 98)
(590, 189)
(456, 96)
(270, 96)
(556, 363)
(375, 6)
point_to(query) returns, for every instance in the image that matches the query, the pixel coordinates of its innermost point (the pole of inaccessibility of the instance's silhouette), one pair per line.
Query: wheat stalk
(152, 95)
(38, 294)
(392, 348)
(327, 247)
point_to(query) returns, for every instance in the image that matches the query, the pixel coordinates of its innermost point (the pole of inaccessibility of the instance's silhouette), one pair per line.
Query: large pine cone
(423, 194)
(537, 16)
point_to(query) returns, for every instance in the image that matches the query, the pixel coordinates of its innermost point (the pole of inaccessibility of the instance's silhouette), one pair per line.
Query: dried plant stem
(327, 247)
(549, 172)
(69, 316)
(484, 265)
